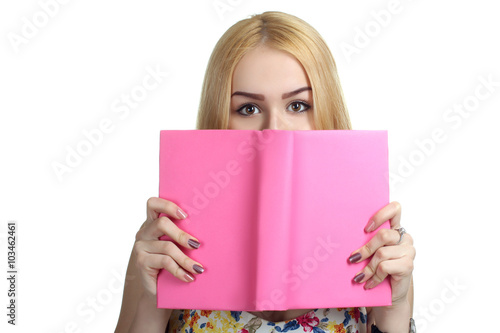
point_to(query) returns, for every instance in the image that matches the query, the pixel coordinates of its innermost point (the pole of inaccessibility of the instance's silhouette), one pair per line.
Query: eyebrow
(261, 97)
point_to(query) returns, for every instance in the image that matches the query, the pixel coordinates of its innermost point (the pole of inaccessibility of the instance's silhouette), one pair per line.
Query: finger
(150, 264)
(381, 273)
(167, 248)
(391, 212)
(396, 268)
(382, 254)
(383, 237)
(156, 206)
(164, 226)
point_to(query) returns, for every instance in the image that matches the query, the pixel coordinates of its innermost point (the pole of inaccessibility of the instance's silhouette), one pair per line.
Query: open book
(277, 213)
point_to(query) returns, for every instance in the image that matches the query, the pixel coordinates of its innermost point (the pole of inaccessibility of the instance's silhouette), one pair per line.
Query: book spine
(275, 160)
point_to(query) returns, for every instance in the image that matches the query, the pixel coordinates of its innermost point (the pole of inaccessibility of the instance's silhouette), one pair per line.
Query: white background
(75, 234)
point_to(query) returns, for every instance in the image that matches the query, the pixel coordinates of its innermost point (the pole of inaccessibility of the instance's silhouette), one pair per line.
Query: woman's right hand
(153, 254)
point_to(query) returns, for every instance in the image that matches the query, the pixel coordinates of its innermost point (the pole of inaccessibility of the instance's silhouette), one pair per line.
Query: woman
(269, 71)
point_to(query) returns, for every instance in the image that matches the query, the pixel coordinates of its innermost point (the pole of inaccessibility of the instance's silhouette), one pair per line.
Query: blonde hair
(283, 32)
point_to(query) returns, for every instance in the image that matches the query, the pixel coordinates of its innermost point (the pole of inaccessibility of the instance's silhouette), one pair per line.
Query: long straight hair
(283, 32)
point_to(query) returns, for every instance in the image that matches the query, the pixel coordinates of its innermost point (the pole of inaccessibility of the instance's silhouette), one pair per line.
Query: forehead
(268, 70)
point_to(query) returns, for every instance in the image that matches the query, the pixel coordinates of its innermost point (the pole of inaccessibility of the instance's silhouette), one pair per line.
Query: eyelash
(304, 103)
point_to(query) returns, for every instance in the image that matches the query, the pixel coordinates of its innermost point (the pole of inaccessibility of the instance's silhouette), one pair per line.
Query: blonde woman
(273, 71)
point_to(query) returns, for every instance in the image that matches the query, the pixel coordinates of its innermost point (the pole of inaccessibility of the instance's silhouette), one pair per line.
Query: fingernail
(193, 243)
(355, 257)
(188, 277)
(359, 277)
(369, 284)
(198, 269)
(371, 226)
(181, 214)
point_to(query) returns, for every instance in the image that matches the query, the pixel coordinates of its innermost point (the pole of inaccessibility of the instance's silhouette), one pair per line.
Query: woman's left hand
(387, 256)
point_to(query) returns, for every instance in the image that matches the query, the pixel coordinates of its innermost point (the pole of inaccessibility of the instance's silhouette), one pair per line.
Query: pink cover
(277, 213)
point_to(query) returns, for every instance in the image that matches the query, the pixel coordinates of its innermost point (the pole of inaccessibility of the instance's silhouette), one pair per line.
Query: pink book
(277, 213)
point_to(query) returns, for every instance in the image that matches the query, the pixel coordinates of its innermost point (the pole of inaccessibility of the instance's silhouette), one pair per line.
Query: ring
(401, 231)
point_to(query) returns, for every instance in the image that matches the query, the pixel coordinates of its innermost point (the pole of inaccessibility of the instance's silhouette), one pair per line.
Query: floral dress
(341, 320)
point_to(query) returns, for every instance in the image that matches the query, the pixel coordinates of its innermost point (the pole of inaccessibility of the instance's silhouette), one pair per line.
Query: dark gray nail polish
(198, 269)
(359, 277)
(193, 243)
(188, 277)
(355, 257)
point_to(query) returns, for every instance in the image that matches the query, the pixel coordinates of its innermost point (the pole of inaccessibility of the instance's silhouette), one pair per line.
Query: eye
(298, 106)
(248, 110)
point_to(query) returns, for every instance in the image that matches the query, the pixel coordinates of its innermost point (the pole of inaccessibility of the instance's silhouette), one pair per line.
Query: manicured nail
(359, 277)
(370, 284)
(371, 226)
(355, 257)
(181, 214)
(198, 269)
(188, 277)
(193, 243)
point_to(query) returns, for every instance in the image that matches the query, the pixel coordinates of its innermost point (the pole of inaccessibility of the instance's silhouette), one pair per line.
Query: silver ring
(401, 231)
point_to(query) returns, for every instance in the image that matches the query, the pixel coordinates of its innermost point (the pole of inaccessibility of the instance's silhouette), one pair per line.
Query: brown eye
(298, 107)
(248, 110)
(295, 106)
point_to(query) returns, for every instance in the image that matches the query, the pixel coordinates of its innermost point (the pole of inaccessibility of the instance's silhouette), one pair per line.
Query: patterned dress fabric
(341, 320)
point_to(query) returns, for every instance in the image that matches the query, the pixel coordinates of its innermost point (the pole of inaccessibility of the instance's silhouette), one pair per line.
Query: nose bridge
(276, 119)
